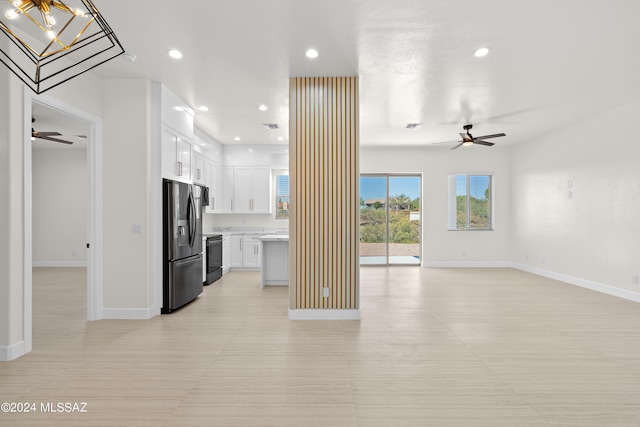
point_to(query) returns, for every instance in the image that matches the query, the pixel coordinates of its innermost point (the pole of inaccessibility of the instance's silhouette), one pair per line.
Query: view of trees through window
(470, 202)
(390, 219)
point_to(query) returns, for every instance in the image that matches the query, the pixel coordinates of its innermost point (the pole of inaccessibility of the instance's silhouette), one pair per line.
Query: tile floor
(435, 347)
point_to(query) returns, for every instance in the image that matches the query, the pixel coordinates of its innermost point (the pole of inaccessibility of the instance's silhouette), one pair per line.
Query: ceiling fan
(47, 135)
(468, 139)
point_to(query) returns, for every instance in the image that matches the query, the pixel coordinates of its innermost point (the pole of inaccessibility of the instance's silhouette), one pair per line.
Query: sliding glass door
(390, 219)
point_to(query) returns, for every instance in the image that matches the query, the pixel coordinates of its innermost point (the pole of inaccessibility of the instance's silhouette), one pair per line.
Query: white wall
(59, 207)
(592, 236)
(11, 215)
(439, 246)
(128, 188)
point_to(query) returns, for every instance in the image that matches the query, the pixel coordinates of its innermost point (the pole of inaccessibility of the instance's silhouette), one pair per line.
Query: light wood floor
(435, 347)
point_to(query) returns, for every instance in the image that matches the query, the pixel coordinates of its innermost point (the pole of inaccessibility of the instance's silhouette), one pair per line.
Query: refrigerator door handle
(192, 220)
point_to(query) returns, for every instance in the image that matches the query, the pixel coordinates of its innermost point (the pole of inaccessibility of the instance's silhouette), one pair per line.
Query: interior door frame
(387, 177)
(94, 208)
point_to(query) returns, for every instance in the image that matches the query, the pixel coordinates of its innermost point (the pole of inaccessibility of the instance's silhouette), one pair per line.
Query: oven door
(214, 259)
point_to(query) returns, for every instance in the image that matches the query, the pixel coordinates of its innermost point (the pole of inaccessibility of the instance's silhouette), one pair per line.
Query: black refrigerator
(182, 231)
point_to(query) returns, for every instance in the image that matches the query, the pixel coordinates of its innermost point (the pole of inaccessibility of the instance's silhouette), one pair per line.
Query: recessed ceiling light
(203, 108)
(262, 107)
(130, 57)
(312, 53)
(483, 51)
(175, 54)
(237, 138)
(280, 138)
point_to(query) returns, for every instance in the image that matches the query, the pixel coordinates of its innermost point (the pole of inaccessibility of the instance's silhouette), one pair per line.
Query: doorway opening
(390, 219)
(45, 104)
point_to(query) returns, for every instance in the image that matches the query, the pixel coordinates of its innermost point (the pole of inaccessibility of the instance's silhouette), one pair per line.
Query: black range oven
(214, 258)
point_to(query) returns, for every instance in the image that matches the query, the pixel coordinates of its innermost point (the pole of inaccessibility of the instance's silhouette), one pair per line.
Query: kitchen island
(275, 259)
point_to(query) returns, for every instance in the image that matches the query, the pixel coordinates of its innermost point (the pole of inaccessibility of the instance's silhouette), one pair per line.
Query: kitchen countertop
(229, 231)
(274, 238)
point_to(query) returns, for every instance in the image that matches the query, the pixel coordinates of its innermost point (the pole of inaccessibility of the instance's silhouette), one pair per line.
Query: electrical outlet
(634, 280)
(325, 292)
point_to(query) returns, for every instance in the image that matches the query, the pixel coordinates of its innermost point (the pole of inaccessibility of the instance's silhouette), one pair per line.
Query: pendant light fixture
(54, 41)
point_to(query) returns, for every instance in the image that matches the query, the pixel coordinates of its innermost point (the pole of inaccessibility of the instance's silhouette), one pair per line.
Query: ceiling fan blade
(487, 143)
(459, 145)
(495, 135)
(443, 142)
(48, 138)
(41, 134)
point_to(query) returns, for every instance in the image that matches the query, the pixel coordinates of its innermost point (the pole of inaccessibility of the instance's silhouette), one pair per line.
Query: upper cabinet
(201, 173)
(175, 113)
(175, 155)
(246, 189)
(176, 134)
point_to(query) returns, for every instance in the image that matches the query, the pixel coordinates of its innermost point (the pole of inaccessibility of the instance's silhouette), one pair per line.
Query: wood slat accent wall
(324, 182)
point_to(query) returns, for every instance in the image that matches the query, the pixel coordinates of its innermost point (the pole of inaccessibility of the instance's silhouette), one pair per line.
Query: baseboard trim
(11, 352)
(323, 314)
(128, 313)
(583, 283)
(467, 264)
(59, 264)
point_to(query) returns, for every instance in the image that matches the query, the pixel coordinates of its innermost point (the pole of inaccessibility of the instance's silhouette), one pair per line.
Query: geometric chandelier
(54, 41)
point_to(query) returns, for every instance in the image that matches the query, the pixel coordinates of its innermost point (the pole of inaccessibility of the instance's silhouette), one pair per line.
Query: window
(282, 196)
(470, 202)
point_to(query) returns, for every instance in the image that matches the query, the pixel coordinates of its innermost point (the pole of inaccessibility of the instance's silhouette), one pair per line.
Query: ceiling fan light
(467, 143)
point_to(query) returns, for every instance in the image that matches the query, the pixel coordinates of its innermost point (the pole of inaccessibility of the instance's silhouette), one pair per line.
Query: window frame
(278, 195)
(452, 222)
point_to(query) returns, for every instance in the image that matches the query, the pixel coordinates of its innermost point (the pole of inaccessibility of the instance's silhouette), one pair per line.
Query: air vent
(270, 126)
(413, 125)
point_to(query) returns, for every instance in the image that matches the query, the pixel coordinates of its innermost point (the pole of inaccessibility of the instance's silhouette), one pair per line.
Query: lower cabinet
(251, 252)
(226, 253)
(245, 251)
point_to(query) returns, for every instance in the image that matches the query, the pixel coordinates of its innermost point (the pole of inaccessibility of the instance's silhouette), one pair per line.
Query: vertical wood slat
(324, 175)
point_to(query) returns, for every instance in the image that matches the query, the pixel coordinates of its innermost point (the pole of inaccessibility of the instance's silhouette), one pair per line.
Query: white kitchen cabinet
(204, 259)
(200, 173)
(251, 252)
(251, 189)
(215, 191)
(176, 155)
(175, 128)
(242, 191)
(261, 190)
(236, 251)
(244, 251)
(227, 189)
(226, 253)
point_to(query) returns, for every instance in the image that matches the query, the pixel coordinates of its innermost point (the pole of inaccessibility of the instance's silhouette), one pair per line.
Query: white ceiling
(552, 63)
